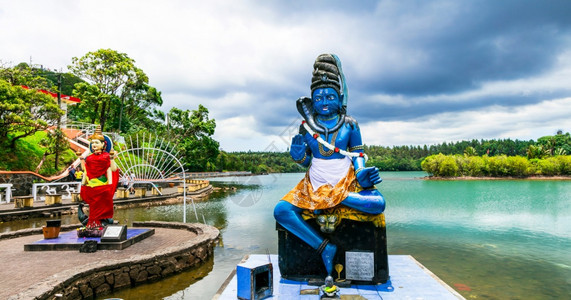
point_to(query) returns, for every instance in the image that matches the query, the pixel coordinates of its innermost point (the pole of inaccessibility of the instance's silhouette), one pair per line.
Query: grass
(28, 154)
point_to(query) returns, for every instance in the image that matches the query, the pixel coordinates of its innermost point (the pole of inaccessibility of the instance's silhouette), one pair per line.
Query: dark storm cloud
(462, 46)
(446, 48)
(427, 54)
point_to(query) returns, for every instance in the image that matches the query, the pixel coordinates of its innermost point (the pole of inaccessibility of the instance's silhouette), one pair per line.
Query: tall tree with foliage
(55, 142)
(193, 131)
(558, 144)
(114, 85)
(24, 112)
(22, 74)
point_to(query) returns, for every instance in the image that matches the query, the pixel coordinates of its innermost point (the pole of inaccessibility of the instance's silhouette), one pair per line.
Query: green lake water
(489, 239)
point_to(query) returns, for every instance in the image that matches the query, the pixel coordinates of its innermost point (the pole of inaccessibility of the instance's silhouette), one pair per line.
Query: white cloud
(240, 58)
(523, 123)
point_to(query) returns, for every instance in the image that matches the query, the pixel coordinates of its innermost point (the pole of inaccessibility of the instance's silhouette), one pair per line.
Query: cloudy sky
(419, 72)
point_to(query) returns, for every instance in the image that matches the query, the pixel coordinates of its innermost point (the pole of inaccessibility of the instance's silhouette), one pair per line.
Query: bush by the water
(496, 166)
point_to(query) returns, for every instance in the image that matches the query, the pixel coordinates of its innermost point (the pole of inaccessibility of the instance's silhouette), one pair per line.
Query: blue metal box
(255, 280)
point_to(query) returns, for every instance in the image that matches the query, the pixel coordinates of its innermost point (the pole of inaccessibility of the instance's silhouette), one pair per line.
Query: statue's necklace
(328, 153)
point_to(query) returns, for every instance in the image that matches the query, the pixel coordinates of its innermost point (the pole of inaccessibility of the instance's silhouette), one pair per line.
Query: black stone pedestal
(298, 261)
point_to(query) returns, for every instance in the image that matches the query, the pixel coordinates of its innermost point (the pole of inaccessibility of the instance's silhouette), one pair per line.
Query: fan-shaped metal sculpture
(148, 159)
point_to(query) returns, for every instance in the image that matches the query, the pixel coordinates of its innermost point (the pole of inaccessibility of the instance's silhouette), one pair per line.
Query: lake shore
(498, 178)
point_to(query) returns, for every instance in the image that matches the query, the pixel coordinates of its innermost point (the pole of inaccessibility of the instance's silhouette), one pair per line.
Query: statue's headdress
(98, 134)
(328, 73)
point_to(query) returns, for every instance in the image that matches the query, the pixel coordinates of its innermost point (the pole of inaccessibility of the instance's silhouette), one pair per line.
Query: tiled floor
(408, 280)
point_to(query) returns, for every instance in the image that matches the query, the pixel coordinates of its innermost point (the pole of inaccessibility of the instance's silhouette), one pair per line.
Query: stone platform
(70, 241)
(173, 248)
(408, 280)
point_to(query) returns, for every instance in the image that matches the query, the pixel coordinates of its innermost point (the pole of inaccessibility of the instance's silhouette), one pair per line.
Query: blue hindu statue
(329, 143)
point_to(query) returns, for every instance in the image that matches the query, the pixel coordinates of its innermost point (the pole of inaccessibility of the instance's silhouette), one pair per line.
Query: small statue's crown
(98, 134)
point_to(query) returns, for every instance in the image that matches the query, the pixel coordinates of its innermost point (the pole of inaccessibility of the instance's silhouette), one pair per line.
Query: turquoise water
(503, 239)
(499, 239)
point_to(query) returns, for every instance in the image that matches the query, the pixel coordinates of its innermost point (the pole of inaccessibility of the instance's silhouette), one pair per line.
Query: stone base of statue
(361, 250)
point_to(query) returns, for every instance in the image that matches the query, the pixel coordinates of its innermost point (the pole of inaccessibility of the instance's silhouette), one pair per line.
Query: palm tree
(470, 151)
(560, 151)
(550, 146)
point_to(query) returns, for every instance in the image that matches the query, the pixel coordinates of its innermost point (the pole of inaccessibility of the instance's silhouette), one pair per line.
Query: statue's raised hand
(368, 177)
(298, 147)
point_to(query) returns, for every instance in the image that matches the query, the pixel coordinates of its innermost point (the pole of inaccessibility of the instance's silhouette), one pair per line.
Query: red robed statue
(99, 183)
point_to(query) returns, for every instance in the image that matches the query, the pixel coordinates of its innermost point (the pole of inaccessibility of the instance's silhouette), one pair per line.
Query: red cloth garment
(115, 179)
(99, 198)
(96, 165)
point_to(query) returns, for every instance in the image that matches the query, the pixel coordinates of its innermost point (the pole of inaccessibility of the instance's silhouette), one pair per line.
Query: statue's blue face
(326, 102)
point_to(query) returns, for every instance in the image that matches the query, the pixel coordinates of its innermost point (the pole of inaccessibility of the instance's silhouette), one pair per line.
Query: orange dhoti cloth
(325, 196)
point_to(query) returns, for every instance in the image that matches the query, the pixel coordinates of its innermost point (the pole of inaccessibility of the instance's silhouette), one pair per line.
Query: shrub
(549, 166)
(440, 165)
(564, 164)
(448, 167)
(430, 164)
(475, 166)
(498, 166)
(518, 166)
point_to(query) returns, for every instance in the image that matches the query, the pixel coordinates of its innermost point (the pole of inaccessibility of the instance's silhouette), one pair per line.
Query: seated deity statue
(329, 143)
(99, 183)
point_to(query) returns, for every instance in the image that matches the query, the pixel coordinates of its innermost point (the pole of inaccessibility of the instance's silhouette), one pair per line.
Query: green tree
(440, 165)
(22, 74)
(536, 152)
(194, 130)
(55, 142)
(518, 166)
(476, 166)
(114, 85)
(448, 167)
(565, 164)
(24, 112)
(470, 151)
(498, 166)
(549, 166)
(554, 143)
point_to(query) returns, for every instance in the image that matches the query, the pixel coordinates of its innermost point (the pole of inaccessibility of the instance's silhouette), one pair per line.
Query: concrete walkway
(33, 273)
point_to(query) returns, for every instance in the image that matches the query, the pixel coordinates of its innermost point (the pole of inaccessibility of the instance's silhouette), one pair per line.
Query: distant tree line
(409, 158)
(257, 162)
(548, 157)
(496, 166)
(503, 157)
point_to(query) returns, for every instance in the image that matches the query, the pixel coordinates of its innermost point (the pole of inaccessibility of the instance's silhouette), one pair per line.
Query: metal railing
(7, 193)
(52, 188)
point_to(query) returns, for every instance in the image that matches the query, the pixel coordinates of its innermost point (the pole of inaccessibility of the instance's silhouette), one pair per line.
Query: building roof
(67, 99)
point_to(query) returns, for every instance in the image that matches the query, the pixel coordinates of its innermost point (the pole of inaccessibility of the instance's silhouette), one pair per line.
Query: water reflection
(161, 289)
(35, 223)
